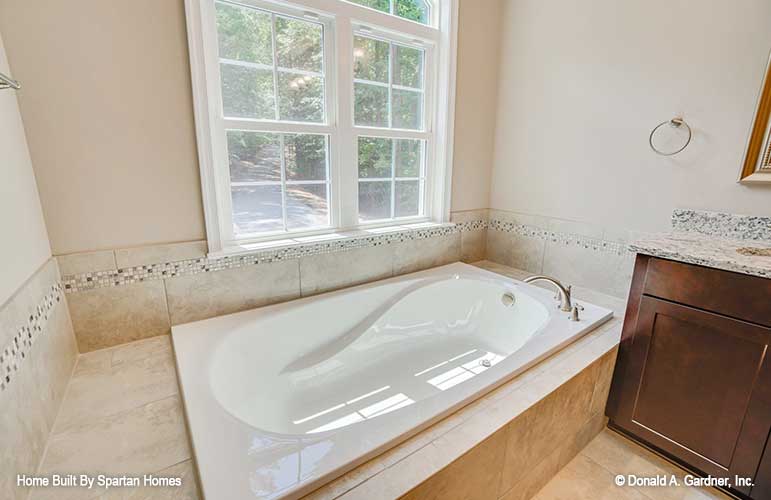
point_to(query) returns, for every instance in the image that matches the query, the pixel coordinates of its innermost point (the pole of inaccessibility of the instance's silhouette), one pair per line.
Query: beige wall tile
(470, 215)
(206, 295)
(473, 245)
(519, 218)
(602, 271)
(146, 439)
(605, 367)
(51, 362)
(106, 317)
(157, 254)
(511, 272)
(87, 262)
(23, 434)
(417, 255)
(521, 252)
(537, 476)
(325, 272)
(546, 426)
(474, 476)
(32, 399)
(15, 312)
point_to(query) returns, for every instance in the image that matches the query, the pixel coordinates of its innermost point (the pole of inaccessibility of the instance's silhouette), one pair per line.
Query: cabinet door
(762, 488)
(697, 385)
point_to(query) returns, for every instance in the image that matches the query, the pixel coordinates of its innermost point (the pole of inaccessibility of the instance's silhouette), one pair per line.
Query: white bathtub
(284, 398)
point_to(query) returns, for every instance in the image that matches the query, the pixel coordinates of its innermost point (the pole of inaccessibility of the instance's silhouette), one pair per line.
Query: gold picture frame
(757, 160)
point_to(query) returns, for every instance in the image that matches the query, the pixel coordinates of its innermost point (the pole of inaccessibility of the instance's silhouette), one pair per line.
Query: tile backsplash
(743, 227)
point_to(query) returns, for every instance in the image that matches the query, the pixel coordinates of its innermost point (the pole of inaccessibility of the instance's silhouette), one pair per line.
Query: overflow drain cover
(508, 299)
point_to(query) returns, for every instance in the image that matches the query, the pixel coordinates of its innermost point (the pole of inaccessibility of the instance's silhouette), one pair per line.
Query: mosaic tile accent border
(21, 344)
(473, 225)
(567, 239)
(740, 227)
(125, 276)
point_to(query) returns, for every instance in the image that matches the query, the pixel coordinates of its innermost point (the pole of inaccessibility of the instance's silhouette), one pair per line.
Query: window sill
(331, 237)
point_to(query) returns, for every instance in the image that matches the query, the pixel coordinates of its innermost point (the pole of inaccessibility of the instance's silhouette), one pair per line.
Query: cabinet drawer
(731, 294)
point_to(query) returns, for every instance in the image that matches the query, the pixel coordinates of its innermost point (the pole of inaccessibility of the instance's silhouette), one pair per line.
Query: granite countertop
(708, 250)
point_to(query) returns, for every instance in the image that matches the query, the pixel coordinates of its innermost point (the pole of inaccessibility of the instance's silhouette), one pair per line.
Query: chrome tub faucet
(563, 293)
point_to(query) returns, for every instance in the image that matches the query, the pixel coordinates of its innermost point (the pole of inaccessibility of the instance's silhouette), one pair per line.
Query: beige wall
(582, 85)
(25, 242)
(109, 119)
(479, 38)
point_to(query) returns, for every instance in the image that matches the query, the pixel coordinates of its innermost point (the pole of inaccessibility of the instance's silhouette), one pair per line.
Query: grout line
(300, 278)
(612, 473)
(166, 304)
(92, 423)
(498, 493)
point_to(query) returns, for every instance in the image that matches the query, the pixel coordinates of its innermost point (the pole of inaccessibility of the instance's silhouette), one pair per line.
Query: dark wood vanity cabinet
(693, 376)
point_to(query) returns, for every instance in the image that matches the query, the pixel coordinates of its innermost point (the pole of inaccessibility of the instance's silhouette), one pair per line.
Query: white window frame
(341, 21)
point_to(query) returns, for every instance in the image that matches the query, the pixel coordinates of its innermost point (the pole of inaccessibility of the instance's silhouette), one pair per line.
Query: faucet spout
(566, 303)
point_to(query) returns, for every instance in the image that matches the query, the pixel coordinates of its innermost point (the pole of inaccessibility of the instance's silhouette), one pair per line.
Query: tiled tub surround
(125, 295)
(129, 294)
(508, 443)
(437, 324)
(575, 252)
(38, 354)
(505, 445)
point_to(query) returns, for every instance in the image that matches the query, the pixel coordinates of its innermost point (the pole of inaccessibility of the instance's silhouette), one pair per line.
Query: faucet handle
(574, 313)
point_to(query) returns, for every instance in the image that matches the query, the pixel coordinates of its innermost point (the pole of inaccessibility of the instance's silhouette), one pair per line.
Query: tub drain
(486, 363)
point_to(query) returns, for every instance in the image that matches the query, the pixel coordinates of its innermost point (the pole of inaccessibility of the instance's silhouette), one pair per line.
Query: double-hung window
(321, 116)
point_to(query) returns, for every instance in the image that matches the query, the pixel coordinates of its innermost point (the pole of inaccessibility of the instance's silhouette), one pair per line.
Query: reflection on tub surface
(433, 337)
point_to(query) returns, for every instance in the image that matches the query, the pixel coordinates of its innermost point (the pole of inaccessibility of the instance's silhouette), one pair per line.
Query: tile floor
(591, 474)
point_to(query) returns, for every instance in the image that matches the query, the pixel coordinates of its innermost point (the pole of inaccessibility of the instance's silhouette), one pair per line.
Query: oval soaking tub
(285, 398)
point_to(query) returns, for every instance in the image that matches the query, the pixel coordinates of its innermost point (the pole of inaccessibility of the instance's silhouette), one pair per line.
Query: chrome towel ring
(670, 137)
(7, 82)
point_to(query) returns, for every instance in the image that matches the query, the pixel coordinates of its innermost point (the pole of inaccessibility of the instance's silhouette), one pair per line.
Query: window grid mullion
(283, 182)
(393, 178)
(390, 84)
(275, 64)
